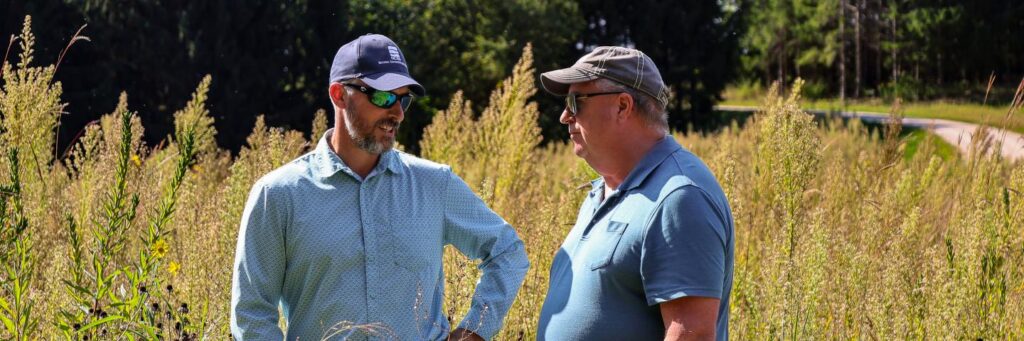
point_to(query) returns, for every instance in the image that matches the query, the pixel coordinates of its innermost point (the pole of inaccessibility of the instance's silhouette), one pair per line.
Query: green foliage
(116, 297)
(155, 244)
(268, 148)
(94, 297)
(468, 45)
(694, 44)
(787, 157)
(16, 254)
(534, 189)
(194, 121)
(158, 51)
(837, 235)
(30, 103)
(905, 88)
(791, 39)
(493, 153)
(912, 49)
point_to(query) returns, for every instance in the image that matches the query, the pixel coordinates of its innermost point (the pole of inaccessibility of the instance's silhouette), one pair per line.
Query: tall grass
(17, 256)
(838, 235)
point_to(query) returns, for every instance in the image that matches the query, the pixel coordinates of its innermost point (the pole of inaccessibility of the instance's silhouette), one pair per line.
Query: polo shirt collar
(654, 157)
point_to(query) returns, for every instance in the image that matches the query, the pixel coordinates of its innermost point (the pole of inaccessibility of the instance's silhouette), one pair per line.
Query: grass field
(913, 137)
(993, 114)
(841, 233)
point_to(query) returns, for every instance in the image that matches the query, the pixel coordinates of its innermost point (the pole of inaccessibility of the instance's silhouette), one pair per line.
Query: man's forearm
(502, 277)
(678, 332)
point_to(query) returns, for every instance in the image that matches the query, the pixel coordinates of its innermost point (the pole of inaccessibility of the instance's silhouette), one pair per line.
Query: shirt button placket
(370, 253)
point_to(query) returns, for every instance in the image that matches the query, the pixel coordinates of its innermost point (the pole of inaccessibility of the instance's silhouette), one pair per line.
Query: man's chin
(386, 145)
(578, 150)
(380, 147)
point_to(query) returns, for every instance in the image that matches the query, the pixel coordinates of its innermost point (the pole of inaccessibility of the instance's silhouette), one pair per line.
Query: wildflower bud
(156, 306)
(170, 288)
(160, 325)
(177, 325)
(184, 308)
(76, 326)
(142, 289)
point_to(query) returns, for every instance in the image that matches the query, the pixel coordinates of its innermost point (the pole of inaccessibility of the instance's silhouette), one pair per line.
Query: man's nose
(397, 112)
(566, 117)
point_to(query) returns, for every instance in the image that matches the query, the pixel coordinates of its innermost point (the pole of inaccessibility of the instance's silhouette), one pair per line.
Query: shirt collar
(326, 162)
(654, 157)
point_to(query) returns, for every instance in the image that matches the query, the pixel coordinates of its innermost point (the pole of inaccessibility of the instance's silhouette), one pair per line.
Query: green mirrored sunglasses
(383, 99)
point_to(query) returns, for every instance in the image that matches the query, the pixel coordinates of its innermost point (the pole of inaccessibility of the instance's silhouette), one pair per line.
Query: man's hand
(690, 318)
(461, 334)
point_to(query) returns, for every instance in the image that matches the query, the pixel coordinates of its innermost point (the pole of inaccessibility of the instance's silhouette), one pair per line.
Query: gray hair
(651, 111)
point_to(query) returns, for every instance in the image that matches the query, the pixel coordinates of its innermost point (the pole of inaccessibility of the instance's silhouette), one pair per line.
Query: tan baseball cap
(626, 66)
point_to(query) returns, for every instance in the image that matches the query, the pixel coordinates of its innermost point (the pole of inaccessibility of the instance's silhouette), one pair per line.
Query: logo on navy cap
(396, 56)
(394, 53)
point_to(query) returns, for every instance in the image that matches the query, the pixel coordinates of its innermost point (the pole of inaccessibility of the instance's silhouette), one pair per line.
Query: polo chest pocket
(604, 242)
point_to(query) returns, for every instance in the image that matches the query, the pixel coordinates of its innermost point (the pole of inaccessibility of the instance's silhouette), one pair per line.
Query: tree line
(272, 57)
(913, 49)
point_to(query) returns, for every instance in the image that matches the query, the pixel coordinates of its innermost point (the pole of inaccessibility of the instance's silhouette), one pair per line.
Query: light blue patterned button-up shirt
(336, 250)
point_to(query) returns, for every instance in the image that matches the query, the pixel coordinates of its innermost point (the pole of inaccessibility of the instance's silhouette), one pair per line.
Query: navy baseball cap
(377, 61)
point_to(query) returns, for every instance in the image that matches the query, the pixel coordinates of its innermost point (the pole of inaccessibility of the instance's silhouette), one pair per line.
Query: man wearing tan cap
(651, 254)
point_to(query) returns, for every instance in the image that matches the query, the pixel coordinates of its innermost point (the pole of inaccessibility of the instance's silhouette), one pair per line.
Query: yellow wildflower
(173, 268)
(160, 248)
(136, 160)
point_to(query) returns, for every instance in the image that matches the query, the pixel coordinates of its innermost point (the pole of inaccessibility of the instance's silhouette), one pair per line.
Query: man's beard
(362, 132)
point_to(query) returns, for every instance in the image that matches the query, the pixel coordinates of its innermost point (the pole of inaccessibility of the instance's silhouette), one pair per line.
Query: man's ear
(626, 105)
(337, 93)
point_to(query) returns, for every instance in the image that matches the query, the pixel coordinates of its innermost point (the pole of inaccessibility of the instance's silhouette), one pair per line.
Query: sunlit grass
(843, 231)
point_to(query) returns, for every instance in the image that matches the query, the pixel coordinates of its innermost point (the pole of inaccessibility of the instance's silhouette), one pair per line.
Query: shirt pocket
(605, 243)
(414, 245)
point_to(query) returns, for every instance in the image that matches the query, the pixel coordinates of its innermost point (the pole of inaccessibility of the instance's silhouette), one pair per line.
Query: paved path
(956, 133)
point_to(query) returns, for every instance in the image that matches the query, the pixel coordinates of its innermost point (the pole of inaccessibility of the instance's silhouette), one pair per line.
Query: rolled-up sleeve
(259, 266)
(479, 233)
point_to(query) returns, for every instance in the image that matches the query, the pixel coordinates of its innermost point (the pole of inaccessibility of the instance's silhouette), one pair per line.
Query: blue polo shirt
(665, 233)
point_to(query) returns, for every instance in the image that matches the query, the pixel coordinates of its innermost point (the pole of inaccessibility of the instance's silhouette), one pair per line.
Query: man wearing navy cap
(348, 238)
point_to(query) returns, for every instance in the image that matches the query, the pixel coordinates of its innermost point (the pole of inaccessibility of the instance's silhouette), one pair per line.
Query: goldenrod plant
(842, 230)
(97, 298)
(17, 299)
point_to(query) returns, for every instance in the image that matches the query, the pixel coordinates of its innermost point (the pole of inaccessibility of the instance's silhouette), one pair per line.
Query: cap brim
(557, 82)
(391, 81)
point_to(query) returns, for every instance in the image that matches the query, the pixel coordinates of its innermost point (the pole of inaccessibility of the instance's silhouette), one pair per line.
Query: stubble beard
(362, 133)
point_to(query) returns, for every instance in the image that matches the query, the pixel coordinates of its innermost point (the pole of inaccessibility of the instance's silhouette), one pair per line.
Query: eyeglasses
(383, 99)
(570, 100)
